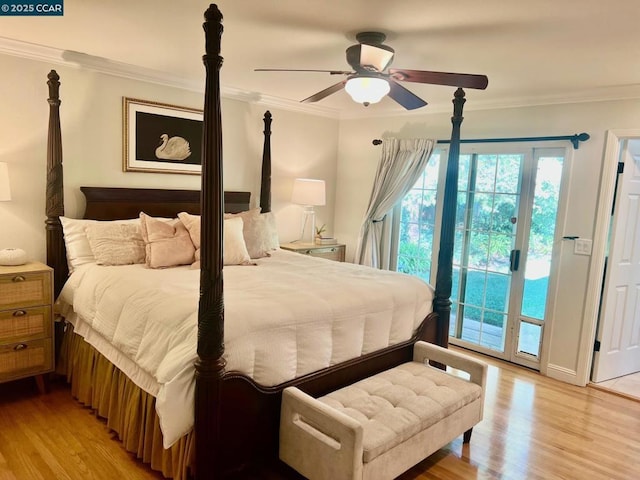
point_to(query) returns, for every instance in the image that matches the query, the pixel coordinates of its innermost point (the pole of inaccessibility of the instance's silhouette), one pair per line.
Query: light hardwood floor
(534, 428)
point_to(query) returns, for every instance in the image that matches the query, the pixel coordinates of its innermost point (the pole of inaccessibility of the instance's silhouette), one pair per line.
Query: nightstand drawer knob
(18, 278)
(19, 313)
(20, 346)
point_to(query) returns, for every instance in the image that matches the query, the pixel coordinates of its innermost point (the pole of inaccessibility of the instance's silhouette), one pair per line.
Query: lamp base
(13, 256)
(308, 233)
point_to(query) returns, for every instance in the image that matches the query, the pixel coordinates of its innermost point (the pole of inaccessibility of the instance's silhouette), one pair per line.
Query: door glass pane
(507, 180)
(500, 247)
(486, 180)
(472, 324)
(543, 223)
(463, 172)
(482, 210)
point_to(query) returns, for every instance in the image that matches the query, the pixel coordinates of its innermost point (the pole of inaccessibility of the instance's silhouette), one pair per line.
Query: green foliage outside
(490, 230)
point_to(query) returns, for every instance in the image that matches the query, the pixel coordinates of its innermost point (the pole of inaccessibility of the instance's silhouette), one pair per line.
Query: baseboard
(563, 374)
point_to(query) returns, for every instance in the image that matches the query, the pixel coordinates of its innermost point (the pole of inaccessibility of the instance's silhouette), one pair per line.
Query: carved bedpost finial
(267, 122)
(54, 86)
(212, 21)
(458, 102)
(265, 181)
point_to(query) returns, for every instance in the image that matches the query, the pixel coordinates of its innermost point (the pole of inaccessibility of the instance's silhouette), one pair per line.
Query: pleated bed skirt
(129, 411)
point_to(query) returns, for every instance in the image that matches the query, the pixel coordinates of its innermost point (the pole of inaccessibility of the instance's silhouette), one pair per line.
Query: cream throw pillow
(234, 250)
(76, 241)
(260, 232)
(167, 243)
(116, 243)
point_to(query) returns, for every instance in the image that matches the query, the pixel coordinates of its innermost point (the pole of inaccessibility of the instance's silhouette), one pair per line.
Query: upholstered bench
(383, 425)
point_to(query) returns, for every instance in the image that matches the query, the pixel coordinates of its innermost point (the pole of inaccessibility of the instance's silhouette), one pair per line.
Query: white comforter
(287, 316)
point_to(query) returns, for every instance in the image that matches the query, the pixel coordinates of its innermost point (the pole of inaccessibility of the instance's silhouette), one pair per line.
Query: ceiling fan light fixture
(366, 89)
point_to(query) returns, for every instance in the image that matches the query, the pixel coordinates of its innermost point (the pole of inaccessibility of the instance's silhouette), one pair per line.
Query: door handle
(514, 260)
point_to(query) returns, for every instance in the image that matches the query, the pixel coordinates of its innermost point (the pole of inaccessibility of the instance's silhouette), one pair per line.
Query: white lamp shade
(367, 89)
(5, 187)
(308, 191)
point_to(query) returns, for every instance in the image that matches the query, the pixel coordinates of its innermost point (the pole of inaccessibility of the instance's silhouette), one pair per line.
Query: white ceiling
(533, 51)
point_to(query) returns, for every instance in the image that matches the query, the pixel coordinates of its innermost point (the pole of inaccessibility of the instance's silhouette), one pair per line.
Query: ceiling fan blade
(325, 93)
(404, 97)
(331, 72)
(464, 80)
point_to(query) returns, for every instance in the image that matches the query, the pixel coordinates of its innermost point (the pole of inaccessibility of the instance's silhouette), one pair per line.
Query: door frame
(608, 177)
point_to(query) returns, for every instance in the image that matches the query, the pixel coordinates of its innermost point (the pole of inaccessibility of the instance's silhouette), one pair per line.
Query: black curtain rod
(574, 139)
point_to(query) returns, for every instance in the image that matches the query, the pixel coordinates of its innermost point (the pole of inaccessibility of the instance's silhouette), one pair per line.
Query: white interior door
(619, 323)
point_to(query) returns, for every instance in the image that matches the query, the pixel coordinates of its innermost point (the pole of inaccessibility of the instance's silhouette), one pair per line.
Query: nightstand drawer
(332, 253)
(21, 290)
(25, 358)
(22, 324)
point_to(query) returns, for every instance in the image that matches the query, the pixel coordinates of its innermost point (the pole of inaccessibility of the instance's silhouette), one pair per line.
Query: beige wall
(358, 160)
(91, 120)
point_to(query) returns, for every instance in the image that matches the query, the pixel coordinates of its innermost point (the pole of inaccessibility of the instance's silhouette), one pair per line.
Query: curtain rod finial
(376, 141)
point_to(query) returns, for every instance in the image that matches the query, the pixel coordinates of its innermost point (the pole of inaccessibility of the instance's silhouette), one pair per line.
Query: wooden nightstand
(332, 252)
(26, 322)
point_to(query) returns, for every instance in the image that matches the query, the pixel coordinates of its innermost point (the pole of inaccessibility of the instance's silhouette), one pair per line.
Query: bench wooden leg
(466, 438)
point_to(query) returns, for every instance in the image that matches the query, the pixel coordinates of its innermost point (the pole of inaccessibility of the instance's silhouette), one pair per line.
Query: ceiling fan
(369, 82)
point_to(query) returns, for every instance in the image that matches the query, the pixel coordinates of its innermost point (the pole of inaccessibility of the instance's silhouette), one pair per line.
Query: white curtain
(401, 164)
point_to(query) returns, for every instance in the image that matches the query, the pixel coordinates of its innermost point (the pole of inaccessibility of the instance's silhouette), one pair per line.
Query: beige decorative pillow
(76, 241)
(260, 232)
(167, 243)
(192, 222)
(261, 235)
(234, 250)
(116, 243)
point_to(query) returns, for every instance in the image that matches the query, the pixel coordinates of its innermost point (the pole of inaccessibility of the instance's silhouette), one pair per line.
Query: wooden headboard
(121, 203)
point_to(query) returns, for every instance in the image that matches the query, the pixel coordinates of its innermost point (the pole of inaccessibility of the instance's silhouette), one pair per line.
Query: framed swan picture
(161, 138)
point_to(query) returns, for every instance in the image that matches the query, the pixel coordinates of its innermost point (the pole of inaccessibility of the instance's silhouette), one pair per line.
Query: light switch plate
(582, 246)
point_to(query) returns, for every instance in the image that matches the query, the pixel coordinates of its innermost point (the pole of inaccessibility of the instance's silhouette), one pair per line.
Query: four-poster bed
(236, 419)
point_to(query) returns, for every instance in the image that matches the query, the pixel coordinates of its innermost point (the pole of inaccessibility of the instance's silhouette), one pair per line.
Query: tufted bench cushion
(394, 405)
(381, 426)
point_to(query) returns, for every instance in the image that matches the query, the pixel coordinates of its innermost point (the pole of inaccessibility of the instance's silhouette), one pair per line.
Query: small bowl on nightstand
(13, 256)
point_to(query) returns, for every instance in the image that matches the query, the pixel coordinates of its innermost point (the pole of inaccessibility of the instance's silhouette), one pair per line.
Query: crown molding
(604, 94)
(81, 60)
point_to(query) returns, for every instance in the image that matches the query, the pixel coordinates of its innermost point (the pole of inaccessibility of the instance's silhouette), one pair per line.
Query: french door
(504, 249)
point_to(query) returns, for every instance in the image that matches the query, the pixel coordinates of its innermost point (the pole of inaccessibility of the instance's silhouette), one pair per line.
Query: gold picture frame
(161, 138)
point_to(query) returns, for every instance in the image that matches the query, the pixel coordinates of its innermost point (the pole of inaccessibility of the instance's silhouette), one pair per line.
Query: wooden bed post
(442, 300)
(265, 184)
(56, 255)
(210, 364)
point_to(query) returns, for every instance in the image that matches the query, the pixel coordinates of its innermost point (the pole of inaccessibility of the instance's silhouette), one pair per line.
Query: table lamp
(9, 256)
(309, 193)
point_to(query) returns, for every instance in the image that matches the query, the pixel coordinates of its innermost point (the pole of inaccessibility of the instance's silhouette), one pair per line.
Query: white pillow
(259, 231)
(261, 235)
(234, 249)
(116, 243)
(76, 241)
